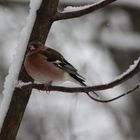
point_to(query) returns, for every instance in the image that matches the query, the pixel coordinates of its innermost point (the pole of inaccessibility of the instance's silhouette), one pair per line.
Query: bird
(46, 65)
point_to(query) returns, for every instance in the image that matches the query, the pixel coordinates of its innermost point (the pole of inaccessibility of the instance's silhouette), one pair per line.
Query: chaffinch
(46, 65)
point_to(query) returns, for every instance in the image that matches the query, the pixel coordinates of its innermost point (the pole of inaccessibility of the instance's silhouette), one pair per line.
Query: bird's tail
(81, 80)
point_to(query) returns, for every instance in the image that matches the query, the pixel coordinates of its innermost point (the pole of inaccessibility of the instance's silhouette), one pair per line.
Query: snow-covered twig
(82, 11)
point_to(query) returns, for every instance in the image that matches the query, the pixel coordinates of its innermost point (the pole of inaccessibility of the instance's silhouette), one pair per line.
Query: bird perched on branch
(46, 65)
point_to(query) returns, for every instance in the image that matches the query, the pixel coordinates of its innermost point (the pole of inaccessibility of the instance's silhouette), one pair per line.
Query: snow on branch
(70, 12)
(76, 8)
(131, 68)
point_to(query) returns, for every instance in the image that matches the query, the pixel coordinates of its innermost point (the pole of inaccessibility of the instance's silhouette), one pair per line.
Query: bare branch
(127, 75)
(43, 87)
(74, 14)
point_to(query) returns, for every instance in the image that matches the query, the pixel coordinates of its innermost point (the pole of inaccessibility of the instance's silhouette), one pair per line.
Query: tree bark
(20, 97)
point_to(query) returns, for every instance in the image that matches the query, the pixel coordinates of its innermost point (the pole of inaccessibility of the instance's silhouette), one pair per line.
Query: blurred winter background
(101, 46)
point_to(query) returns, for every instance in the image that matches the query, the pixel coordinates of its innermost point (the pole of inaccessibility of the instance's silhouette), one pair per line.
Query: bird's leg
(46, 85)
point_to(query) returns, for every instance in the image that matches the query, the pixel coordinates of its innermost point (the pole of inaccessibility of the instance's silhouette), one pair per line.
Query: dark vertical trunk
(20, 97)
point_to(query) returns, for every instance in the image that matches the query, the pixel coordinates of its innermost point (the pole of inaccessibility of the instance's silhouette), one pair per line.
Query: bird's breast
(41, 70)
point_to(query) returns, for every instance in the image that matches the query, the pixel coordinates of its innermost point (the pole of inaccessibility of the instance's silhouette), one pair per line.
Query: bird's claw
(46, 86)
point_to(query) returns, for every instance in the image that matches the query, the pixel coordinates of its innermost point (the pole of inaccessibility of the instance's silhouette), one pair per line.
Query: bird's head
(35, 46)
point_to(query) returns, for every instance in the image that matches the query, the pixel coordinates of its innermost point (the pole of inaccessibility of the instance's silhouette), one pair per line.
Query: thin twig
(113, 99)
(74, 14)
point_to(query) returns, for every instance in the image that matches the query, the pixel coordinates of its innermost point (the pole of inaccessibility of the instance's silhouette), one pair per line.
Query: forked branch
(74, 14)
(115, 98)
(125, 76)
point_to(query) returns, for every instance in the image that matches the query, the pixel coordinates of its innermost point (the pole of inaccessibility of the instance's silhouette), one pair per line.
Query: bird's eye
(32, 48)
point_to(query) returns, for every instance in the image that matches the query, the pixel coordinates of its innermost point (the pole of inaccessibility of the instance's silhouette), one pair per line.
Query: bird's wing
(58, 60)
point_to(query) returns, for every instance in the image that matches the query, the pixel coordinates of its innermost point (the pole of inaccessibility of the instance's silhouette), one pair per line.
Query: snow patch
(21, 84)
(131, 68)
(77, 8)
(11, 79)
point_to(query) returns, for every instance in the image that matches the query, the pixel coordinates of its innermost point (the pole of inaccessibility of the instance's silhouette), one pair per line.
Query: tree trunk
(21, 97)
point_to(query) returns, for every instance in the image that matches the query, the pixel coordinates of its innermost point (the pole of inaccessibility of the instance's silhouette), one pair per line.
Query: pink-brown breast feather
(39, 69)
